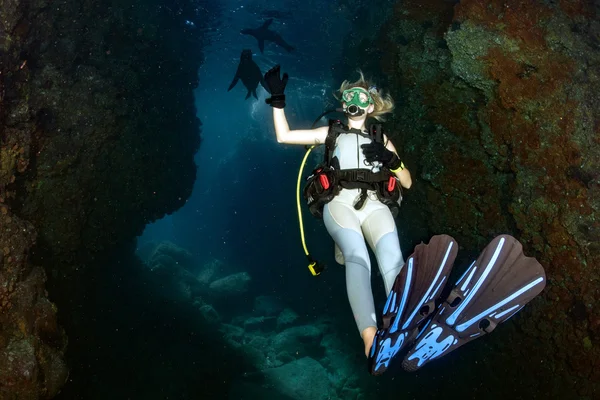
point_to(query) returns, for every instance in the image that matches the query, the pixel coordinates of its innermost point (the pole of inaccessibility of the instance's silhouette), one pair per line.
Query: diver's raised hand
(276, 86)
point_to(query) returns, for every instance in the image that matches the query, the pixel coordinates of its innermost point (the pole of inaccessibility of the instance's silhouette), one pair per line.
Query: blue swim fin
(493, 289)
(412, 299)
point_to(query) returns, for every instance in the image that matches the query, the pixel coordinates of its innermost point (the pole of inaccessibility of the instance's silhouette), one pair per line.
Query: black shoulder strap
(376, 132)
(336, 127)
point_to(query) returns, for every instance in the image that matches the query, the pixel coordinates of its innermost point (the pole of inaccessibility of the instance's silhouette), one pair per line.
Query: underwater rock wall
(98, 132)
(497, 118)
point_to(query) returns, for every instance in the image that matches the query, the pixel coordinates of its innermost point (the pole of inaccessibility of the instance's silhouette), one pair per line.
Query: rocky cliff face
(497, 117)
(97, 137)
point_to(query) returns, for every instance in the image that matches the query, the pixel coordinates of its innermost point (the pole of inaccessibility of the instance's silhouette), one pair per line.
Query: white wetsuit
(349, 228)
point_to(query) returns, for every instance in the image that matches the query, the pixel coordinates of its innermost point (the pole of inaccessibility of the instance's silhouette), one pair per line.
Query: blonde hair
(382, 103)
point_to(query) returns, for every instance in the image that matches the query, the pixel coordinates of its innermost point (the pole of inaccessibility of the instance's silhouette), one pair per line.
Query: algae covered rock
(209, 270)
(298, 340)
(209, 315)
(169, 253)
(231, 285)
(303, 379)
(286, 318)
(260, 323)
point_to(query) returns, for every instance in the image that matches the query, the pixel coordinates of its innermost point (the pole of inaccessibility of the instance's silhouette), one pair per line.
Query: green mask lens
(357, 96)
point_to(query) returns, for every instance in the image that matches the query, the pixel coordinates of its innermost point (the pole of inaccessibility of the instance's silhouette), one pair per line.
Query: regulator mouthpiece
(354, 111)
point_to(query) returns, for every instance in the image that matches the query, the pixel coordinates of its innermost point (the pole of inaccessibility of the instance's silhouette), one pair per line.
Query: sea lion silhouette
(249, 73)
(263, 34)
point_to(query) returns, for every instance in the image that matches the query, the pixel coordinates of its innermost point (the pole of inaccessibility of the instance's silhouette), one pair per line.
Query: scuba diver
(352, 191)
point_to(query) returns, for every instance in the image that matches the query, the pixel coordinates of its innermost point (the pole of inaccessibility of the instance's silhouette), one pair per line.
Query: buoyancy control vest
(328, 178)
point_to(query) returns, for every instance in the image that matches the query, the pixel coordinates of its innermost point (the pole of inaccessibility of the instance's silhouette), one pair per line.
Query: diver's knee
(353, 247)
(388, 249)
(357, 258)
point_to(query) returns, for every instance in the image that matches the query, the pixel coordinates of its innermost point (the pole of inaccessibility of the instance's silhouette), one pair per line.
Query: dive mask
(357, 96)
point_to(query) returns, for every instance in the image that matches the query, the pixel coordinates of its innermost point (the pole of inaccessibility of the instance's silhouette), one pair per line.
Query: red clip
(324, 181)
(391, 184)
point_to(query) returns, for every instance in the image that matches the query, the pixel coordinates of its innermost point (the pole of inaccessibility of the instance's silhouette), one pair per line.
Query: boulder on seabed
(167, 253)
(299, 339)
(231, 285)
(286, 318)
(260, 323)
(303, 379)
(209, 270)
(209, 315)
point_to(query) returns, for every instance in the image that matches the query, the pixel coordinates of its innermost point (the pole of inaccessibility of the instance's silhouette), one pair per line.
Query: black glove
(276, 86)
(376, 151)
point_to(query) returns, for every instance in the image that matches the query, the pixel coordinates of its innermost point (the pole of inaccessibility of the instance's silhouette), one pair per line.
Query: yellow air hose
(314, 266)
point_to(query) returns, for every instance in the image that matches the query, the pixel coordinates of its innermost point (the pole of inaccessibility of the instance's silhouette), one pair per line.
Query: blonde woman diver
(348, 226)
